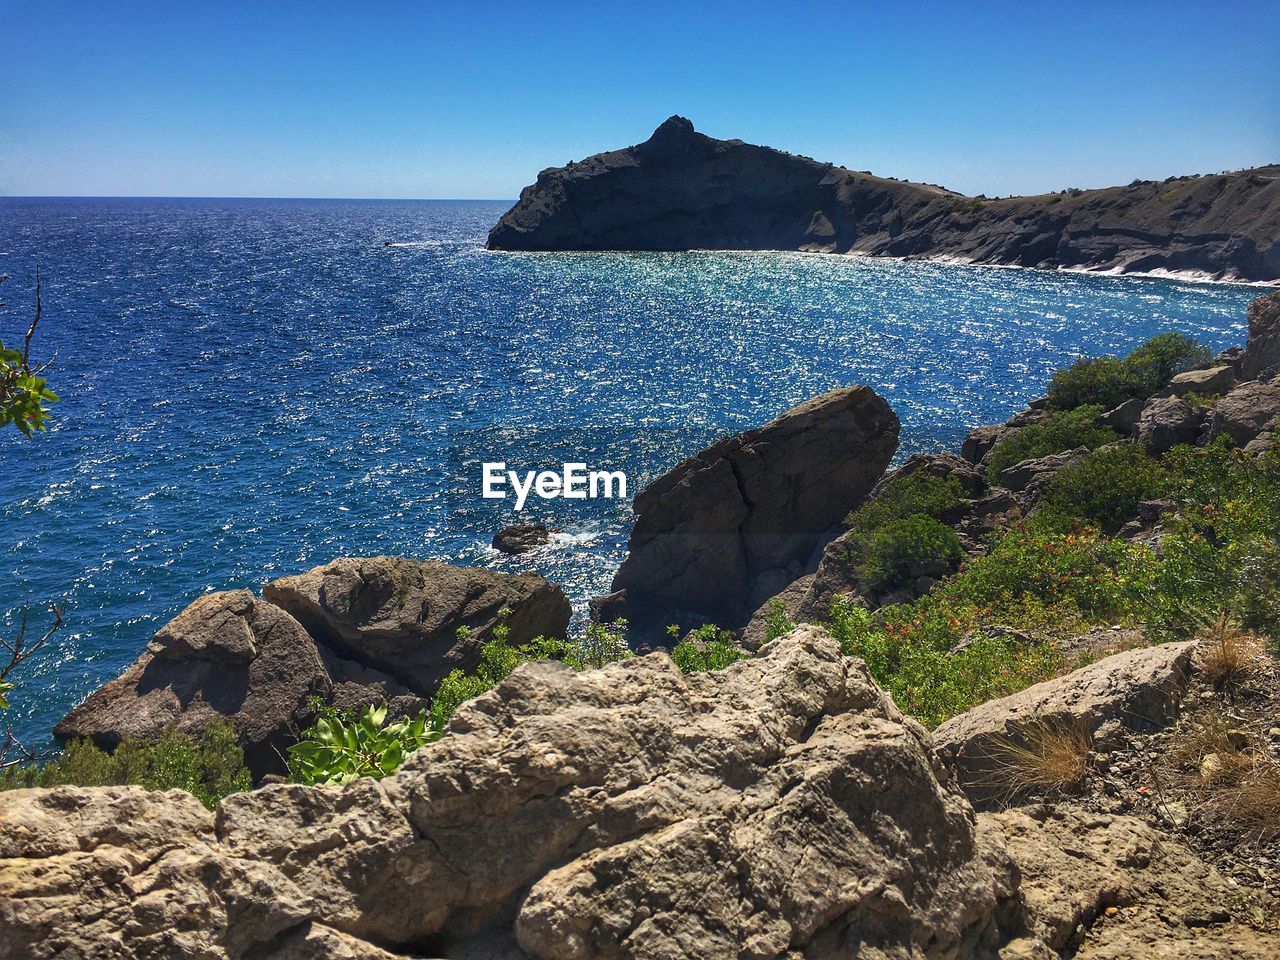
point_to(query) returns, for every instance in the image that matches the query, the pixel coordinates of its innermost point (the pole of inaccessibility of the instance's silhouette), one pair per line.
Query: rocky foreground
(683, 190)
(780, 808)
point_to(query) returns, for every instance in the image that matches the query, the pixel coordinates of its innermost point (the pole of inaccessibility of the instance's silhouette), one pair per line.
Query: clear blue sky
(471, 99)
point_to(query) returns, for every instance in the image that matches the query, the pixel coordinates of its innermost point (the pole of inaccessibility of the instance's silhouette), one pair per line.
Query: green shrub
(920, 492)
(931, 683)
(1062, 430)
(898, 548)
(209, 769)
(1220, 554)
(776, 621)
(708, 648)
(1109, 382)
(1106, 486)
(341, 747)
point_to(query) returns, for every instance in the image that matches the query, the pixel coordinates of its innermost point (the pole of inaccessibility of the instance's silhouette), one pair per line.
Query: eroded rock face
(713, 536)
(1262, 351)
(227, 655)
(1137, 689)
(1099, 887)
(402, 616)
(109, 873)
(779, 808)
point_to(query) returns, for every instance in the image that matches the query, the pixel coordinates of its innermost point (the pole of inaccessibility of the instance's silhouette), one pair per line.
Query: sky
(426, 99)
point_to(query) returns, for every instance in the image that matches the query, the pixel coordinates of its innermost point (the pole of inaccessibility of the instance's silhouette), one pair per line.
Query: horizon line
(175, 196)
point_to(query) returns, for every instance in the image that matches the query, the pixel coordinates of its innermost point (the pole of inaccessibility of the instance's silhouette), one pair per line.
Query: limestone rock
(1262, 349)
(751, 506)
(1028, 474)
(401, 616)
(1100, 887)
(1247, 411)
(1124, 418)
(1137, 689)
(1166, 422)
(1209, 382)
(521, 538)
(226, 655)
(116, 873)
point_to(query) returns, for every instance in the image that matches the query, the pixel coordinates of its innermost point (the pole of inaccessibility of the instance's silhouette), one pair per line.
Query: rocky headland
(683, 190)
(789, 805)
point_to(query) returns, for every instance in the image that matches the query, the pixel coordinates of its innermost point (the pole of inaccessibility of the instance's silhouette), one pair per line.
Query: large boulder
(1262, 349)
(781, 808)
(1032, 474)
(1166, 422)
(403, 617)
(227, 655)
(521, 538)
(1138, 690)
(718, 534)
(1249, 410)
(1207, 382)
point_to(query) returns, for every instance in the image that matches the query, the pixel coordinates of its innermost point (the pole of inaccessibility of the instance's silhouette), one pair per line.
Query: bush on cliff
(900, 528)
(209, 768)
(707, 648)
(1221, 551)
(1109, 381)
(1063, 430)
(904, 549)
(1106, 486)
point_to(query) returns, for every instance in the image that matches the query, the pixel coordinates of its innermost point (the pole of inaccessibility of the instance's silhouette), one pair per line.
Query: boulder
(780, 808)
(750, 510)
(1027, 474)
(981, 440)
(1166, 422)
(1124, 418)
(790, 597)
(971, 481)
(1137, 689)
(1246, 412)
(402, 617)
(227, 655)
(1208, 382)
(1101, 887)
(521, 538)
(1262, 349)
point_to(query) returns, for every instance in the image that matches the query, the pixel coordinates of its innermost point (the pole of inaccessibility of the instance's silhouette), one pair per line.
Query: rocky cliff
(682, 190)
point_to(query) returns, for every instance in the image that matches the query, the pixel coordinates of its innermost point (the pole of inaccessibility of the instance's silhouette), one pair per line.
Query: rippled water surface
(254, 387)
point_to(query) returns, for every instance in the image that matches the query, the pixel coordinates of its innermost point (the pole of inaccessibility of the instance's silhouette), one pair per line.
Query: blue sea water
(253, 387)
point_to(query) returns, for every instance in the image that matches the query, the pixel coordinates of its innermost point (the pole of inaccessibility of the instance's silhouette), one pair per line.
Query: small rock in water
(521, 538)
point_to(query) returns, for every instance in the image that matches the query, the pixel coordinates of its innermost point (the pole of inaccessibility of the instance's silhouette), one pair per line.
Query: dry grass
(1227, 657)
(1045, 758)
(1209, 745)
(1253, 798)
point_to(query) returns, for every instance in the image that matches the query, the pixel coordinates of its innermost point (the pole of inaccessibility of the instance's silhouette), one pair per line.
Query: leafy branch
(23, 389)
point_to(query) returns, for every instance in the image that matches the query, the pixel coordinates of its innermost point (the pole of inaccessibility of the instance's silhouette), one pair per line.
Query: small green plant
(776, 622)
(902, 549)
(707, 648)
(339, 747)
(24, 393)
(209, 768)
(1062, 430)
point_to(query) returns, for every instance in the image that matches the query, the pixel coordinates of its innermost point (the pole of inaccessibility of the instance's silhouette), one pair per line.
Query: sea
(250, 388)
